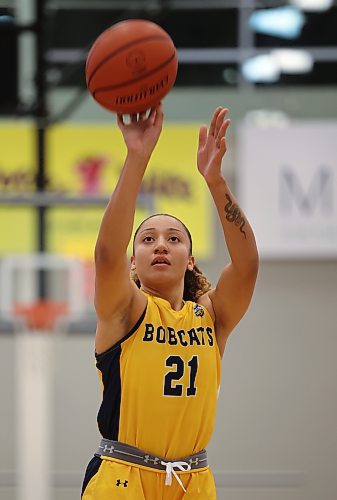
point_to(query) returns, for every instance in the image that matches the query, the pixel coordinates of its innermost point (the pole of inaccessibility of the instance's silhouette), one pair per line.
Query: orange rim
(42, 314)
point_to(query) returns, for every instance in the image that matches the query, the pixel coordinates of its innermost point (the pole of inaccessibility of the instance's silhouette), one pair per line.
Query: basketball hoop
(41, 315)
(37, 330)
(38, 324)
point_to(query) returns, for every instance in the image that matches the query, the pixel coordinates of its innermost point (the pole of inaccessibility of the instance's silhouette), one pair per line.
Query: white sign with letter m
(287, 186)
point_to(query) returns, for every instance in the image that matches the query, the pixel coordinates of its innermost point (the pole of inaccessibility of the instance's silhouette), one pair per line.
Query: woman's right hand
(141, 134)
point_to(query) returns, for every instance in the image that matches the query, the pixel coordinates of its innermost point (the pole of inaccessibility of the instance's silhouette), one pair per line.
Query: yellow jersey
(161, 381)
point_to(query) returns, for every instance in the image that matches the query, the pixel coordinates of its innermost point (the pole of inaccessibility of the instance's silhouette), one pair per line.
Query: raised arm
(233, 292)
(114, 291)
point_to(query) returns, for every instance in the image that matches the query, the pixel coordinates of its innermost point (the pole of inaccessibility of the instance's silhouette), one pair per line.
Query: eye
(174, 239)
(148, 239)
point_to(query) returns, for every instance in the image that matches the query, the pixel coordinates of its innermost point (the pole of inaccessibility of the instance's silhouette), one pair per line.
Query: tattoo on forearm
(233, 214)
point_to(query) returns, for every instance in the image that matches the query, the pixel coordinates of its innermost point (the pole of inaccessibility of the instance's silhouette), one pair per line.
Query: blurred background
(274, 64)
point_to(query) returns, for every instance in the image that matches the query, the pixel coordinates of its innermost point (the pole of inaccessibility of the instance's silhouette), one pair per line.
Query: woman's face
(161, 252)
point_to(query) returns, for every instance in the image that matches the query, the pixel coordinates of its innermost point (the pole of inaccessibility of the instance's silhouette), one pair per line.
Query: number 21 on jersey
(171, 387)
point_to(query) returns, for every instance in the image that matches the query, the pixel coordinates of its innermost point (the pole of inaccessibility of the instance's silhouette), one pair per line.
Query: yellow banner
(17, 151)
(86, 160)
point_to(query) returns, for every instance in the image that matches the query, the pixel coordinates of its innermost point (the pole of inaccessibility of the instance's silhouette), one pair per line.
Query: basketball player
(161, 334)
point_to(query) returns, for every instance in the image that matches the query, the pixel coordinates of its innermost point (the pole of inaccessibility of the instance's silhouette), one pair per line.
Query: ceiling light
(261, 69)
(283, 22)
(312, 5)
(293, 61)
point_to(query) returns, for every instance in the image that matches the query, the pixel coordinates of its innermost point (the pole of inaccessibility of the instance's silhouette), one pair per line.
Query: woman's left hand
(212, 145)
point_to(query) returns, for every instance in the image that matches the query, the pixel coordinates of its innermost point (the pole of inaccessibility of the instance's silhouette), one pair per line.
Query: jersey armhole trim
(123, 339)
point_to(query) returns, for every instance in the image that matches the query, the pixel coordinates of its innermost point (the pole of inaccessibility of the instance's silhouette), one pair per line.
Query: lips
(160, 260)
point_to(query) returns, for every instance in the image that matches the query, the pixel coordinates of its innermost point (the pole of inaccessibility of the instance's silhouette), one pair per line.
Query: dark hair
(195, 282)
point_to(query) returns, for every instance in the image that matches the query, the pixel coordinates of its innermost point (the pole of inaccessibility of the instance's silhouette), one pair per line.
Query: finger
(120, 120)
(152, 115)
(142, 116)
(219, 120)
(223, 128)
(221, 144)
(159, 115)
(202, 136)
(213, 121)
(148, 112)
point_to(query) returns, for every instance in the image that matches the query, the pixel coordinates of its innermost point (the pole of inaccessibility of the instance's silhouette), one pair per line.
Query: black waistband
(122, 451)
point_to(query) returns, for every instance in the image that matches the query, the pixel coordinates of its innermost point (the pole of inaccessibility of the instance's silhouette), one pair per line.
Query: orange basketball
(131, 66)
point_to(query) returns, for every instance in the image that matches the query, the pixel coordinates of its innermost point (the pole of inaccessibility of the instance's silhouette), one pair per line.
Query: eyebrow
(154, 229)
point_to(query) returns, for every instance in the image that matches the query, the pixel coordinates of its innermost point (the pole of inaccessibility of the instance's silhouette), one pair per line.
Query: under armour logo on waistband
(119, 482)
(193, 461)
(107, 448)
(154, 460)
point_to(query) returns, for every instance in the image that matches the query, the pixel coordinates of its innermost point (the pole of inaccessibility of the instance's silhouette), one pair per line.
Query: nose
(161, 246)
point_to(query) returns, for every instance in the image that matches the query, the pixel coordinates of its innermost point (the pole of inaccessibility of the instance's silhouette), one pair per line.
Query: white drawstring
(170, 470)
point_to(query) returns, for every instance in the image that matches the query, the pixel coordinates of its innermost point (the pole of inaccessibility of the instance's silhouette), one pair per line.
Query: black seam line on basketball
(127, 46)
(135, 80)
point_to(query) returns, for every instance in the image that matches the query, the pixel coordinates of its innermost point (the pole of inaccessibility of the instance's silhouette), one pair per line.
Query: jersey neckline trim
(166, 303)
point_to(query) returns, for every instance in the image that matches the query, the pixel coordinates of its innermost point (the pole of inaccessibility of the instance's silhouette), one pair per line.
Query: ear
(190, 264)
(133, 264)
